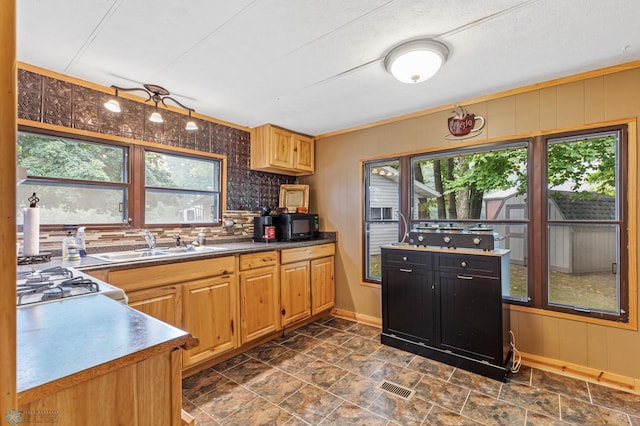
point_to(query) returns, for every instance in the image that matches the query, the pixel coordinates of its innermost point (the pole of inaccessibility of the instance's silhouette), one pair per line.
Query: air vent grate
(396, 390)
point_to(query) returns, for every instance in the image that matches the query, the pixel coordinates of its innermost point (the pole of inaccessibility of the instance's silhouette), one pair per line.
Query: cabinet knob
(420, 238)
(476, 240)
(463, 264)
(447, 239)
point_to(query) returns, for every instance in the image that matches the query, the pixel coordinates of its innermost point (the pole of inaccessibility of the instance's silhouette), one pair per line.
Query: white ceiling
(316, 66)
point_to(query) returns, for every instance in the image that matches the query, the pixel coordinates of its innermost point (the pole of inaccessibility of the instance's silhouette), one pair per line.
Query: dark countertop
(90, 263)
(473, 251)
(72, 340)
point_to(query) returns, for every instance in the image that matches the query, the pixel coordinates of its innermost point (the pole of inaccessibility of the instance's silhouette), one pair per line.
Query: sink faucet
(177, 237)
(150, 239)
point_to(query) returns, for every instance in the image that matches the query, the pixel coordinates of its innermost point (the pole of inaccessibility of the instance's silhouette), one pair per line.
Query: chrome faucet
(150, 239)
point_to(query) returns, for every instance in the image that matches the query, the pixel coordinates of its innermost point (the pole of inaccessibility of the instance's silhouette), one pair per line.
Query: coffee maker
(264, 229)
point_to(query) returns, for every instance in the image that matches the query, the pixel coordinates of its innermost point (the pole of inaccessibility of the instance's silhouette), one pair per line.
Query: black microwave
(296, 226)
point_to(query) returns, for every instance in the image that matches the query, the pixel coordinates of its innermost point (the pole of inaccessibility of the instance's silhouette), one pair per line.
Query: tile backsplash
(98, 241)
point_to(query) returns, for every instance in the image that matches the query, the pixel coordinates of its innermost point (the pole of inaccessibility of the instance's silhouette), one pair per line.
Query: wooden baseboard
(577, 371)
(367, 319)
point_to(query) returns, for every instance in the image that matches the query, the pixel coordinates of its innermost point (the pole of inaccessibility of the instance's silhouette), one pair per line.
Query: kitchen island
(93, 360)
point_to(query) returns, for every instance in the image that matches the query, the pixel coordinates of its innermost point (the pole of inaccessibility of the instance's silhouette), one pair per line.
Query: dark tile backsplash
(49, 100)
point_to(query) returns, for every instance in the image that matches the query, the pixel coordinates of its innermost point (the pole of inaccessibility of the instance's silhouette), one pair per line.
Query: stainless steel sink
(124, 256)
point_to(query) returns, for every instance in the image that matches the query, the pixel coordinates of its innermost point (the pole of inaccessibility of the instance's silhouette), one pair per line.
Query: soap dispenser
(66, 241)
(80, 241)
(202, 237)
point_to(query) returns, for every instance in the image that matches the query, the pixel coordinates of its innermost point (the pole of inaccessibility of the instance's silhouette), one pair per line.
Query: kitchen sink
(124, 256)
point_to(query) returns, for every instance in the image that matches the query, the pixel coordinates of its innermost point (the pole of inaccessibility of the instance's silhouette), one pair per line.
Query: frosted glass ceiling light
(155, 117)
(155, 93)
(191, 125)
(112, 105)
(416, 61)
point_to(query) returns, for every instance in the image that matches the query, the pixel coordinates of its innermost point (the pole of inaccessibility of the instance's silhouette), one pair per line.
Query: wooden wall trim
(589, 374)
(8, 114)
(503, 94)
(126, 95)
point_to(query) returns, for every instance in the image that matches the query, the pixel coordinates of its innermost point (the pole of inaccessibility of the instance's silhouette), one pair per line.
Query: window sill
(631, 325)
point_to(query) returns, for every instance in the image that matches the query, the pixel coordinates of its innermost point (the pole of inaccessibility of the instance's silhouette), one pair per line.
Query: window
(486, 187)
(584, 224)
(181, 189)
(104, 183)
(382, 195)
(554, 201)
(76, 181)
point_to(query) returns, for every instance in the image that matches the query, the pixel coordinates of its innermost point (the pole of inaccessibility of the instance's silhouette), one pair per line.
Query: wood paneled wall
(599, 96)
(7, 207)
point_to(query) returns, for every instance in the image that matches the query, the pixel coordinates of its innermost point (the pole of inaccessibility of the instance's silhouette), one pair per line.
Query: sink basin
(124, 256)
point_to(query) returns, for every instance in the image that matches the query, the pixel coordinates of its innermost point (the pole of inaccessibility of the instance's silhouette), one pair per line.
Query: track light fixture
(155, 93)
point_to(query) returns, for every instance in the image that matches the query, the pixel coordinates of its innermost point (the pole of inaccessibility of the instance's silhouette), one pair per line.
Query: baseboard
(577, 371)
(367, 319)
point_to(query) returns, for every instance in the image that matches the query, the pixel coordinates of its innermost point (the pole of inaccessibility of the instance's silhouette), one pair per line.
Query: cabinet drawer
(309, 252)
(406, 257)
(469, 264)
(155, 276)
(258, 260)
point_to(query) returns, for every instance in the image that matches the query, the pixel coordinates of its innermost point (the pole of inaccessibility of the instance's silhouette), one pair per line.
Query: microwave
(296, 226)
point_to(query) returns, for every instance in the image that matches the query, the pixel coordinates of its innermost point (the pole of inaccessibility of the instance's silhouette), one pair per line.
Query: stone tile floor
(328, 372)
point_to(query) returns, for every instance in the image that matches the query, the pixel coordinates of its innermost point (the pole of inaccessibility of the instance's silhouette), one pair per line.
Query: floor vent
(396, 390)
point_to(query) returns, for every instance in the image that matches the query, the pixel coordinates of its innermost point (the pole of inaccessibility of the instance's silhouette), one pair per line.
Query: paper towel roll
(31, 231)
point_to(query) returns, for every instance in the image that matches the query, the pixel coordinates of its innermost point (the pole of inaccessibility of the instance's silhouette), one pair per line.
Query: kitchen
(601, 96)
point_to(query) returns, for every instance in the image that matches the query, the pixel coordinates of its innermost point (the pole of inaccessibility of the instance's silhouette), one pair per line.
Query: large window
(381, 221)
(181, 189)
(555, 202)
(76, 181)
(105, 184)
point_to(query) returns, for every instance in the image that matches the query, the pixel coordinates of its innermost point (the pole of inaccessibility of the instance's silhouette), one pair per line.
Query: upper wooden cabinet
(278, 150)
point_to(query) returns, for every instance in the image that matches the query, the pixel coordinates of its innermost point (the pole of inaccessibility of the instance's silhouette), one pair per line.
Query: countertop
(68, 341)
(473, 251)
(90, 263)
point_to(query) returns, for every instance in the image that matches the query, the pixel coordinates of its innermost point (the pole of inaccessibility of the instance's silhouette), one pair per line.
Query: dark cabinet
(447, 306)
(409, 296)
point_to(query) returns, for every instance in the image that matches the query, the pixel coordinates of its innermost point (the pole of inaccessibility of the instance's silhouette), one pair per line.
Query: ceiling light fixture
(416, 61)
(155, 93)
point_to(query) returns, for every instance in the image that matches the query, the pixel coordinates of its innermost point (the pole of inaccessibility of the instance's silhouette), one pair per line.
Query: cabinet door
(303, 155)
(282, 148)
(294, 288)
(259, 307)
(322, 284)
(408, 309)
(161, 303)
(209, 314)
(471, 315)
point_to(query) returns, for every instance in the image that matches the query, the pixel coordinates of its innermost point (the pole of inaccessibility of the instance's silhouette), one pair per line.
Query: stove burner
(81, 282)
(56, 292)
(51, 284)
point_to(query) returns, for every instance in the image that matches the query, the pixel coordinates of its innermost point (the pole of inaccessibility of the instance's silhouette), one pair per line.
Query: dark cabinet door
(471, 315)
(408, 296)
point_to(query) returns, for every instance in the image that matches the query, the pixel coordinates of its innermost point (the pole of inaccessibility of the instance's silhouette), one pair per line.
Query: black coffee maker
(264, 229)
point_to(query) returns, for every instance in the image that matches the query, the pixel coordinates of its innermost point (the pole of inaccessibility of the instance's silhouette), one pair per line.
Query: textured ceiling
(316, 66)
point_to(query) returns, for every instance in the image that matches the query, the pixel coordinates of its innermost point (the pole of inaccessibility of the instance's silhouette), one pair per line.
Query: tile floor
(328, 372)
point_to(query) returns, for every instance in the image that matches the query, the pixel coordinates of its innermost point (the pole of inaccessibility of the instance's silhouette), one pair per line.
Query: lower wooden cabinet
(259, 302)
(164, 303)
(294, 290)
(323, 288)
(209, 314)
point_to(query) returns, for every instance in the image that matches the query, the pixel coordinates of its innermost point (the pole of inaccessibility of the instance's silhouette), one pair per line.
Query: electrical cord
(517, 358)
